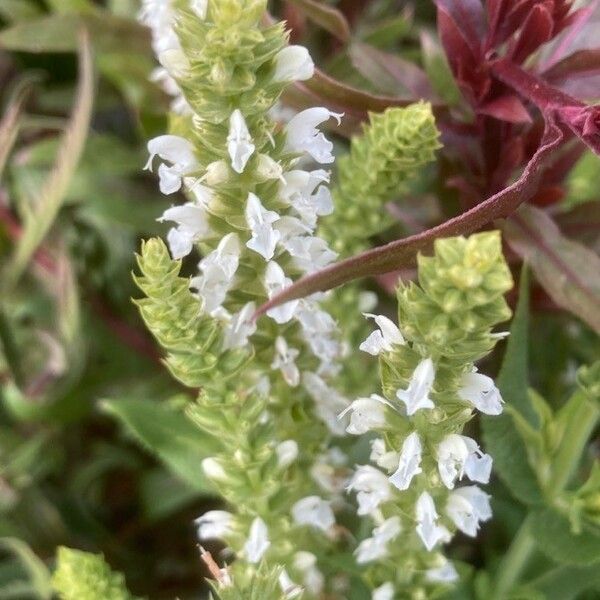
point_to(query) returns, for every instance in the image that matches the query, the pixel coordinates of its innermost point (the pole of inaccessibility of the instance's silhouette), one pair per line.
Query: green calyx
(192, 339)
(391, 150)
(262, 585)
(459, 299)
(85, 576)
(232, 66)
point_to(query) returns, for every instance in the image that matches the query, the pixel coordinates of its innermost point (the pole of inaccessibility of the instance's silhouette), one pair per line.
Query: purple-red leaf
(568, 271)
(582, 223)
(325, 16)
(401, 253)
(469, 72)
(577, 73)
(536, 30)
(506, 108)
(390, 73)
(584, 122)
(581, 119)
(348, 98)
(469, 17)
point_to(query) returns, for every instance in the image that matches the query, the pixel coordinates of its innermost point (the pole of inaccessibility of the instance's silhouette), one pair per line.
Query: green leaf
(37, 573)
(19, 10)
(567, 582)
(390, 73)
(166, 432)
(583, 180)
(162, 494)
(501, 436)
(38, 221)
(513, 379)
(437, 68)
(58, 33)
(566, 269)
(554, 538)
(9, 125)
(325, 16)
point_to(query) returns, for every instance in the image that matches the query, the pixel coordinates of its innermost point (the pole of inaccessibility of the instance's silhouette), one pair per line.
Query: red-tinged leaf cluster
(515, 64)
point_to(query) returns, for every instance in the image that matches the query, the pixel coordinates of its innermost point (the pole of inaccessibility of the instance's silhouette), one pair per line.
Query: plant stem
(8, 344)
(578, 430)
(514, 561)
(582, 421)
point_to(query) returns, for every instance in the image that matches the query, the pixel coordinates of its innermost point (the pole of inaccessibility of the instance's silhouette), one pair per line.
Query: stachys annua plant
(423, 484)
(252, 212)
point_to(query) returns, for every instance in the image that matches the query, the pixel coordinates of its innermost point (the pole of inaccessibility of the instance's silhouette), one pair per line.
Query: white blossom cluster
(279, 238)
(158, 16)
(457, 456)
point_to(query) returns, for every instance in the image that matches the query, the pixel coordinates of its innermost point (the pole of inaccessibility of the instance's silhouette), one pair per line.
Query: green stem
(9, 345)
(578, 430)
(514, 561)
(582, 421)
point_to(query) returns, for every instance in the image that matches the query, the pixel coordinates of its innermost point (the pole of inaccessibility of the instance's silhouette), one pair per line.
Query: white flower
(309, 253)
(293, 63)
(192, 226)
(290, 227)
(239, 142)
(213, 469)
(284, 361)
(427, 528)
(313, 579)
(214, 524)
(258, 541)
(481, 392)
(410, 462)
(372, 486)
(180, 153)
(467, 507)
(202, 194)
(200, 7)
(174, 61)
(288, 587)
(384, 339)
(240, 327)
(287, 453)
(445, 573)
(459, 454)
(262, 387)
(313, 511)
(328, 472)
(275, 282)
(387, 460)
(416, 396)
(303, 136)
(366, 414)
(318, 330)
(264, 237)
(218, 269)
(385, 591)
(375, 547)
(328, 402)
(298, 190)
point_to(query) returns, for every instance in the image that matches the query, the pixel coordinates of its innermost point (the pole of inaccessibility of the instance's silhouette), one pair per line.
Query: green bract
(388, 154)
(85, 576)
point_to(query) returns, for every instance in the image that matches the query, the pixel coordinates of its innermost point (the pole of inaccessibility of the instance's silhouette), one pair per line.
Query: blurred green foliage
(84, 394)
